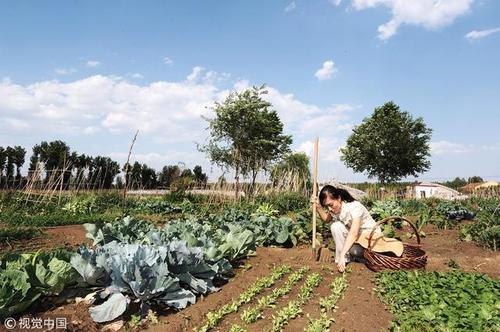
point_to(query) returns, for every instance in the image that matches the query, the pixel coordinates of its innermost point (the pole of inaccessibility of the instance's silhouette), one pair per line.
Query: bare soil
(359, 310)
(70, 236)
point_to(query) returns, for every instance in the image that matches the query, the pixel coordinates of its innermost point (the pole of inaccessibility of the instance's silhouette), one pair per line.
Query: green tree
(199, 177)
(168, 175)
(292, 173)
(475, 179)
(105, 170)
(19, 158)
(9, 167)
(55, 157)
(246, 135)
(148, 177)
(389, 145)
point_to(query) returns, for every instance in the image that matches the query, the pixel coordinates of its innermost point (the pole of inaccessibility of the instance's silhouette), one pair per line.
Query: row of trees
(11, 161)
(54, 165)
(141, 176)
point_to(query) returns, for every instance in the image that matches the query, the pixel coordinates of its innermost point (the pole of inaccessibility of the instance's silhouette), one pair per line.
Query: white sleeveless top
(353, 210)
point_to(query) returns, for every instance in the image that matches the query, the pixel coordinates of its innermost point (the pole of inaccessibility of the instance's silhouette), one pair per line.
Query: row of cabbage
(134, 263)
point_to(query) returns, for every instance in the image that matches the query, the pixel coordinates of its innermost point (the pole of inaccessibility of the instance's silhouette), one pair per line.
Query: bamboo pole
(315, 193)
(127, 164)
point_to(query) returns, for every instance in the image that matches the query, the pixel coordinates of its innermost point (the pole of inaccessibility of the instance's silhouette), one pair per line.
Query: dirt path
(70, 236)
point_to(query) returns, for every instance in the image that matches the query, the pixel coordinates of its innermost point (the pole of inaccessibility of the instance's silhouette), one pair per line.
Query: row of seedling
(214, 318)
(294, 307)
(254, 313)
(327, 305)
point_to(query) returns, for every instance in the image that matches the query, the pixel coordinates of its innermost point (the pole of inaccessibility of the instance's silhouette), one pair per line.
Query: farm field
(273, 284)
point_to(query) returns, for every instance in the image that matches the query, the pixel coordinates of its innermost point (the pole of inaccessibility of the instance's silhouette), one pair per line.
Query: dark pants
(356, 253)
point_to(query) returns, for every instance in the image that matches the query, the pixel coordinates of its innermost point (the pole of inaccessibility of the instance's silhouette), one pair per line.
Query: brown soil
(443, 245)
(70, 236)
(359, 310)
(74, 317)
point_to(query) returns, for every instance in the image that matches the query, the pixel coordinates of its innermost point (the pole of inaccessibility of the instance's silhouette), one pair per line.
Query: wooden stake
(315, 193)
(127, 164)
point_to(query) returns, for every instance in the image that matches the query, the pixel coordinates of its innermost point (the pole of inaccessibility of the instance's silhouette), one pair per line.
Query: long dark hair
(334, 193)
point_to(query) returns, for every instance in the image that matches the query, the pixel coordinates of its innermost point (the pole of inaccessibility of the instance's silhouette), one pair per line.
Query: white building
(428, 189)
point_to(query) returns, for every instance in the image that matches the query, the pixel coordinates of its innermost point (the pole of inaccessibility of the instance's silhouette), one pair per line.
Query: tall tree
(292, 173)
(475, 179)
(245, 135)
(3, 159)
(168, 175)
(199, 177)
(55, 157)
(9, 167)
(106, 171)
(148, 177)
(389, 145)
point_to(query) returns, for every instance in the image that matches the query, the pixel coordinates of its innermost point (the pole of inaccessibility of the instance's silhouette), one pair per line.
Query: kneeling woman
(353, 219)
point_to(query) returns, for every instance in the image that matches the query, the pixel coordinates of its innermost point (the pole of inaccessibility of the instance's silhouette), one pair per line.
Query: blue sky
(92, 72)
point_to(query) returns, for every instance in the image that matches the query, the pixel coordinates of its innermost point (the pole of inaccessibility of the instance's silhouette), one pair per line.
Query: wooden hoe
(321, 253)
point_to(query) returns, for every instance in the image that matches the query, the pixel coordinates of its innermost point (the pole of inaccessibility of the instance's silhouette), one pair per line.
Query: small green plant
(252, 314)
(294, 307)
(213, 318)
(441, 301)
(320, 324)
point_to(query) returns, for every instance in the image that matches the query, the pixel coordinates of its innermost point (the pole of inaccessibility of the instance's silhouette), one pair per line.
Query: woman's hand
(314, 200)
(341, 264)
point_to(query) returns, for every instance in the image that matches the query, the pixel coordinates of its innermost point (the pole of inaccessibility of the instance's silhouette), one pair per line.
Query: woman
(353, 219)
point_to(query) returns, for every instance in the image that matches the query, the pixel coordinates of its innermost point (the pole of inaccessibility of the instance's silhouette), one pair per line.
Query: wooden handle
(315, 192)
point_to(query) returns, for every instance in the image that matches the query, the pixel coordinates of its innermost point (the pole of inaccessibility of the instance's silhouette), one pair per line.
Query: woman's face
(333, 204)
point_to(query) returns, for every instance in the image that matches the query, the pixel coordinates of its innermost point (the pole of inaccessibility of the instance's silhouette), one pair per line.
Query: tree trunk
(237, 179)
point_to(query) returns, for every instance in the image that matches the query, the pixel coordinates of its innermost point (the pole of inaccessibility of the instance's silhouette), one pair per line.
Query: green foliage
(213, 318)
(485, 230)
(337, 289)
(383, 209)
(156, 207)
(294, 307)
(16, 233)
(81, 205)
(284, 201)
(433, 301)
(320, 324)
(246, 135)
(254, 313)
(27, 278)
(292, 173)
(389, 145)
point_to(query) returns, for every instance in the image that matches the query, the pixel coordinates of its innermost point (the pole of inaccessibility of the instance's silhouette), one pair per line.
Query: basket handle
(391, 218)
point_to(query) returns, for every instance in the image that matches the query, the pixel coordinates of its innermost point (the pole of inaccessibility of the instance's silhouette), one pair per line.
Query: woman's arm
(324, 214)
(349, 241)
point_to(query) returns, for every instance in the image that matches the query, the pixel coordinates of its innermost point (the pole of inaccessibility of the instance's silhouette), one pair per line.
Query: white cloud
(445, 147)
(431, 14)
(481, 33)
(326, 70)
(92, 63)
(291, 6)
(65, 71)
(138, 76)
(335, 2)
(167, 114)
(17, 124)
(167, 61)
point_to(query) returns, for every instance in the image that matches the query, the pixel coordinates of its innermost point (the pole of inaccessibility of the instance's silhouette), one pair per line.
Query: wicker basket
(413, 256)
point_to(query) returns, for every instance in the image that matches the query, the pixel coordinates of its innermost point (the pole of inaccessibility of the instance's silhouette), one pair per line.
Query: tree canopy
(389, 145)
(246, 135)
